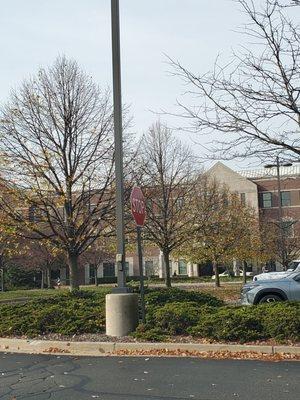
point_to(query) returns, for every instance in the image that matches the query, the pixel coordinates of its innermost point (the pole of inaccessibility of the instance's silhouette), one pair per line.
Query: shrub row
(158, 297)
(169, 312)
(279, 321)
(64, 314)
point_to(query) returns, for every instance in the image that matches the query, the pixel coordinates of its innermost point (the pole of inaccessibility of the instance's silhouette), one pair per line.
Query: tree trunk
(73, 268)
(96, 275)
(2, 279)
(42, 279)
(244, 272)
(49, 284)
(167, 266)
(216, 271)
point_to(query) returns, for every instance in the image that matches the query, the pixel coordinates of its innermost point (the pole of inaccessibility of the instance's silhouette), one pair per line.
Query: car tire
(270, 298)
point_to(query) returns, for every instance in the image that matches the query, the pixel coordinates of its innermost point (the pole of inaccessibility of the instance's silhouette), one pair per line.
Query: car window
(297, 278)
(293, 265)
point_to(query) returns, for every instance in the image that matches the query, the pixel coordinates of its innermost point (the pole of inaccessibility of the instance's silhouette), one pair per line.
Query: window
(182, 268)
(243, 198)
(108, 269)
(179, 203)
(92, 273)
(126, 268)
(266, 200)
(149, 268)
(285, 199)
(36, 214)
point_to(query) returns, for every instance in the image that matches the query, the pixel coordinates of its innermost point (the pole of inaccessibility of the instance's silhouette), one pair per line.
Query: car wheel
(270, 298)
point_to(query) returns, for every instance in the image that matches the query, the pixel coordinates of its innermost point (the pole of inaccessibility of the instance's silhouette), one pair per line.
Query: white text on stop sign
(138, 206)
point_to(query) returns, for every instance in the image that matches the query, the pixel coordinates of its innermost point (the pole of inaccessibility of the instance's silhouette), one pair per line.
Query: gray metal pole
(116, 63)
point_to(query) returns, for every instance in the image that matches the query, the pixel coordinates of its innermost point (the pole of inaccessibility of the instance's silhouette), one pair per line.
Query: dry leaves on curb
(56, 350)
(221, 355)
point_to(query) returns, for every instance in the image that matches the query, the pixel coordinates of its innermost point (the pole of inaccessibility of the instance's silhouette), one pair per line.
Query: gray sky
(34, 32)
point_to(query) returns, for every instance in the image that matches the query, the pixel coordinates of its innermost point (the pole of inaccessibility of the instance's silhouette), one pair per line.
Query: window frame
(264, 201)
(284, 200)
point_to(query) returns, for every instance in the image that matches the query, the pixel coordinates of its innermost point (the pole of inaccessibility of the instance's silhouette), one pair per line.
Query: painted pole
(117, 95)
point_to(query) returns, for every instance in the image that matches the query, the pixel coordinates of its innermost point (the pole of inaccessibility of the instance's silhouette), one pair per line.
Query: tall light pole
(118, 128)
(280, 215)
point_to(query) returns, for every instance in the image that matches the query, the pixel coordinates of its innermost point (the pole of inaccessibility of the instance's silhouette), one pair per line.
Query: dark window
(149, 268)
(243, 198)
(92, 272)
(126, 268)
(31, 213)
(266, 200)
(179, 203)
(36, 214)
(285, 199)
(182, 268)
(108, 269)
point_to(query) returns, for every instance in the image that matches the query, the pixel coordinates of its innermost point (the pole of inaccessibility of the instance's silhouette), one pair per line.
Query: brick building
(256, 188)
(268, 197)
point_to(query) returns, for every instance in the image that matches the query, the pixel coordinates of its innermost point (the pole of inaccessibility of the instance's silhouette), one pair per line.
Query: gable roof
(224, 174)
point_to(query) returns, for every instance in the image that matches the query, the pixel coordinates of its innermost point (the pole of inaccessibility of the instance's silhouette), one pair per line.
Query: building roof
(267, 173)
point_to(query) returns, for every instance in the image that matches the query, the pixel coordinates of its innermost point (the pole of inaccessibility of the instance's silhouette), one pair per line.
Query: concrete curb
(111, 348)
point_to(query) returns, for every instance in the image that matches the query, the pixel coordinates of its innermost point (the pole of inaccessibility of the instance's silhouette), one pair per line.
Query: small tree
(57, 142)
(41, 256)
(223, 227)
(9, 246)
(167, 173)
(103, 249)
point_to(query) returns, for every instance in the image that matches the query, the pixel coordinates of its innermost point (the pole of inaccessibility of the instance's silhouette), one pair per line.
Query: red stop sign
(138, 207)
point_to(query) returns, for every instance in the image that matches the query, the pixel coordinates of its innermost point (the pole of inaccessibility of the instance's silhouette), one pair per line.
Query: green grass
(45, 293)
(226, 292)
(30, 294)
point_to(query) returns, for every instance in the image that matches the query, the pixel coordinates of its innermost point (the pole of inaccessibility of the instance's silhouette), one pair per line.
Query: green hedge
(169, 312)
(279, 321)
(64, 314)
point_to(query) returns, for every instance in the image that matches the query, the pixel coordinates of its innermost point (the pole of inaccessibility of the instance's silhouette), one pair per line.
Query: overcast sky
(34, 32)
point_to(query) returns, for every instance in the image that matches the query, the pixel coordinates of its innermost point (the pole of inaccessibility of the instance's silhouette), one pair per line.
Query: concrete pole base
(121, 313)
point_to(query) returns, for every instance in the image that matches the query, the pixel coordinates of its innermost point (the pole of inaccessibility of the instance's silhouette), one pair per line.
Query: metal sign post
(138, 209)
(140, 257)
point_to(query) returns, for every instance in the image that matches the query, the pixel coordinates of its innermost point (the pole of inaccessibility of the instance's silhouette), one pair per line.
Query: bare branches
(253, 102)
(167, 171)
(57, 143)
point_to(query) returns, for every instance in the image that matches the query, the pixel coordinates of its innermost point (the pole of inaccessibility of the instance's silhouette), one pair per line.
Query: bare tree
(252, 104)
(57, 143)
(103, 249)
(167, 173)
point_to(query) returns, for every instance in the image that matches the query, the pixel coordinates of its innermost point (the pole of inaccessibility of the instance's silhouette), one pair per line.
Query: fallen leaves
(221, 355)
(56, 350)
